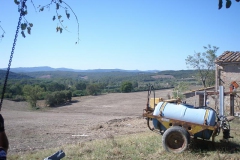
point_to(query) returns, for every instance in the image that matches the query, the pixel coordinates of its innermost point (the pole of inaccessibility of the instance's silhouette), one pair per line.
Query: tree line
(57, 91)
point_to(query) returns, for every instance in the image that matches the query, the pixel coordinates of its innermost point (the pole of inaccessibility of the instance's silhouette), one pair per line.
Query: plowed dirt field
(85, 119)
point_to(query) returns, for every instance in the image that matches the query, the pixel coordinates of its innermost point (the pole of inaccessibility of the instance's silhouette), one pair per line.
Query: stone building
(228, 75)
(228, 69)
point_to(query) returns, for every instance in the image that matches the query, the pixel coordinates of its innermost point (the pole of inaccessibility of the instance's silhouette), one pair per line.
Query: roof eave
(225, 63)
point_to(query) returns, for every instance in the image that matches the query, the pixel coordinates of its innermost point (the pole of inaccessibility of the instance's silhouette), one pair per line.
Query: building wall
(228, 74)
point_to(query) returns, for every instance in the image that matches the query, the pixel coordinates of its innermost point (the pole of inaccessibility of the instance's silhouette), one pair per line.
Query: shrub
(78, 93)
(18, 98)
(93, 89)
(58, 97)
(126, 87)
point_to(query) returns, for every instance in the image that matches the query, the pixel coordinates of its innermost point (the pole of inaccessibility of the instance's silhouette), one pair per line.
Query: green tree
(68, 95)
(126, 87)
(16, 89)
(210, 81)
(77, 93)
(54, 86)
(32, 94)
(204, 64)
(50, 99)
(80, 86)
(179, 89)
(92, 89)
(58, 98)
(135, 84)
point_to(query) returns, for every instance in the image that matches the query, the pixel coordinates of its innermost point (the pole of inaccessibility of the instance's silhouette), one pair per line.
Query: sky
(119, 34)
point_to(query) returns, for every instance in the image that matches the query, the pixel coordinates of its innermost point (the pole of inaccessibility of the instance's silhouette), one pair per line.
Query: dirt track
(87, 118)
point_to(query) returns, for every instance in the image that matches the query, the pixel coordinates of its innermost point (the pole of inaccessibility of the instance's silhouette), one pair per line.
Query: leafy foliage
(78, 93)
(64, 6)
(93, 89)
(126, 87)
(58, 97)
(32, 94)
(228, 3)
(54, 86)
(180, 74)
(179, 89)
(204, 63)
(80, 86)
(60, 5)
(22, 9)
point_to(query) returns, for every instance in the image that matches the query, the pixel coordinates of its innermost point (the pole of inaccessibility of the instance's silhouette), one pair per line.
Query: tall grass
(146, 145)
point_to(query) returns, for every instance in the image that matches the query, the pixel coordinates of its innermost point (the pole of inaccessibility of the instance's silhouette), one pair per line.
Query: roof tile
(228, 56)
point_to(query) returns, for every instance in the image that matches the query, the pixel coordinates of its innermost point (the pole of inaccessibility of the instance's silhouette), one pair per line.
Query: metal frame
(192, 128)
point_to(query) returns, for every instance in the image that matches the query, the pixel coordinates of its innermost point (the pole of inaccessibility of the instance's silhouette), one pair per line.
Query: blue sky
(123, 34)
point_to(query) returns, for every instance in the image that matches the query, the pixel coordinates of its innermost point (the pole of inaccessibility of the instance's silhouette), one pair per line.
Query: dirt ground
(86, 119)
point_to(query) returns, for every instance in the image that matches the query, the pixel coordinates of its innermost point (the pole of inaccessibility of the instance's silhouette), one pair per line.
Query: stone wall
(228, 74)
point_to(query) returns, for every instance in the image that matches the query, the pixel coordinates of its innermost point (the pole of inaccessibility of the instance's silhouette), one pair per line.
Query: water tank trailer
(178, 122)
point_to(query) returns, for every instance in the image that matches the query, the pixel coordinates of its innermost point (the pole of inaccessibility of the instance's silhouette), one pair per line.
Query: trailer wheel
(175, 139)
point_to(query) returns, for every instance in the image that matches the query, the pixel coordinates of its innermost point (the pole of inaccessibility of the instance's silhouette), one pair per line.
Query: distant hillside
(119, 75)
(163, 76)
(13, 75)
(46, 68)
(96, 74)
(180, 73)
(88, 75)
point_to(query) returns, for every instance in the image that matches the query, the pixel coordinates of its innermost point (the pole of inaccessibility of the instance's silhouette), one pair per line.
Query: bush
(18, 98)
(8, 95)
(126, 87)
(58, 97)
(78, 93)
(32, 93)
(93, 89)
(50, 100)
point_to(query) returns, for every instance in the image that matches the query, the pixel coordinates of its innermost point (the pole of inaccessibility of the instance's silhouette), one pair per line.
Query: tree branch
(2, 33)
(60, 20)
(75, 17)
(34, 6)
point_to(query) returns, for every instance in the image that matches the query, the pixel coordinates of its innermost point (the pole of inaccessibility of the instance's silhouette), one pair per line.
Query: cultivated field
(87, 118)
(113, 120)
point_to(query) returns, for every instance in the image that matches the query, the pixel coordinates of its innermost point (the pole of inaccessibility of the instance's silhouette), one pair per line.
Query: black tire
(175, 139)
